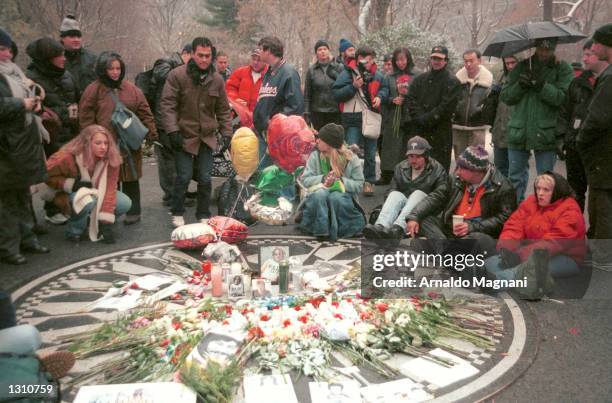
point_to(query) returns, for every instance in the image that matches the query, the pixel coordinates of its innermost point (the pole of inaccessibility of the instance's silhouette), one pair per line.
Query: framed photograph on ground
(162, 392)
(269, 259)
(261, 288)
(269, 389)
(334, 392)
(236, 286)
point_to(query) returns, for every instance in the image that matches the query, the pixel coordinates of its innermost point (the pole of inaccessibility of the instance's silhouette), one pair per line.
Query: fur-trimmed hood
(484, 78)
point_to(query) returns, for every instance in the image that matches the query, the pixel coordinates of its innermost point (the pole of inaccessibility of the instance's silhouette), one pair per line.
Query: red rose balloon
(290, 141)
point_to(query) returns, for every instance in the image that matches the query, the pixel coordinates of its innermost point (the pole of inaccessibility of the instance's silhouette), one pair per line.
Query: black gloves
(176, 141)
(80, 184)
(508, 258)
(525, 81)
(106, 230)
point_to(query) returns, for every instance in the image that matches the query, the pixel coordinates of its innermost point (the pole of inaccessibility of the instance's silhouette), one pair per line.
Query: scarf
(98, 181)
(198, 76)
(22, 87)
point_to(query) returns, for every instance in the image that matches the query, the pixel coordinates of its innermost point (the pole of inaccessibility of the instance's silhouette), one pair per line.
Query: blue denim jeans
(397, 207)
(354, 136)
(331, 214)
(21, 339)
(518, 167)
(500, 159)
(264, 158)
(559, 266)
(77, 224)
(184, 172)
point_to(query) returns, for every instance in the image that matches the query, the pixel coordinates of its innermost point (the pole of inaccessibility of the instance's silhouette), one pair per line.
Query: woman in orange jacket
(549, 222)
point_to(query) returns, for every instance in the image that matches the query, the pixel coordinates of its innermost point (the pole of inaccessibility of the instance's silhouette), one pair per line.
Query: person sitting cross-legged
(420, 188)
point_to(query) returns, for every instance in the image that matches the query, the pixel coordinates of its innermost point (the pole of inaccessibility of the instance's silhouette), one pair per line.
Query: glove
(560, 150)
(176, 141)
(525, 81)
(538, 84)
(508, 258)
(80, 184)
(106, 230)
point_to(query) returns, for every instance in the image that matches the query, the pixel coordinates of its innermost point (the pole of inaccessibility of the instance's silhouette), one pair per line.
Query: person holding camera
(356, 89)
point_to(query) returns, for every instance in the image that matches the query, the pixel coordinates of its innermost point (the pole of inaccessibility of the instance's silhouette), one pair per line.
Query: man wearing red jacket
(243, 85)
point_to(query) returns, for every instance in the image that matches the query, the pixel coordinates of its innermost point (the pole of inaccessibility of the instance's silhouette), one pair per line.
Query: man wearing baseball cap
(419, 189)
(432, 100)
(536, 89)
(594, 143)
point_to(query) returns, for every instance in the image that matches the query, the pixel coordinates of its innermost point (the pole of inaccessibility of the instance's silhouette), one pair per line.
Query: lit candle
(217, 280)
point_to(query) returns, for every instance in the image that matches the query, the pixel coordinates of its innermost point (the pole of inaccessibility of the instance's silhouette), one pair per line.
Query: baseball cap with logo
(417, 145)
(440, 51)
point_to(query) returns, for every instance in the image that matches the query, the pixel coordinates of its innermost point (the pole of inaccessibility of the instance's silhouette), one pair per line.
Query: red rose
(382, 307)
(264, 318)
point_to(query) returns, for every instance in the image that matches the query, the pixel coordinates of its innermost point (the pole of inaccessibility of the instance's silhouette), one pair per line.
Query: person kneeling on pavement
(419, 189)
(480, 197)
(333, 177)
(83, 184)
(543, 239)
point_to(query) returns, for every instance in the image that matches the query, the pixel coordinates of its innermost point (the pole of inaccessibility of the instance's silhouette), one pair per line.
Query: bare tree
(481, 16)
(423, 13)
(171, 23)
(580, 13)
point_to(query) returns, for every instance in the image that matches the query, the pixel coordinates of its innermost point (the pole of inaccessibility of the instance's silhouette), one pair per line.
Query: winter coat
(575, 108)
(594, 141)
(552, 227)
(60, 91)
(497, 114)
(472, 98)
(97, 106)
(533, 122)
(64, 172)
(81, 64)
(22, 160)
(317, 87)
(197, 111)
(431, 101)
(240, 85)
(433, 181)
(280, 92)
(346, 94)
(161, 69)
(352, 177)
(393, 147)
(497, 203)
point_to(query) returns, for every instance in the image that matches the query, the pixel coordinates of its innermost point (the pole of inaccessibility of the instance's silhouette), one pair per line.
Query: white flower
(403, 320)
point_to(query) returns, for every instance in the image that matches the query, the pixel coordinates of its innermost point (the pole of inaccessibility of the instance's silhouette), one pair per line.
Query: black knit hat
(321, 42)
(603, 35)
(474, 158)
(5, 39)
(44, 49)
(332, 134)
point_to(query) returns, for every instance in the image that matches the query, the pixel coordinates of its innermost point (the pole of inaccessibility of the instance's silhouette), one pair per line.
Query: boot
(535, 270)
(375, 231)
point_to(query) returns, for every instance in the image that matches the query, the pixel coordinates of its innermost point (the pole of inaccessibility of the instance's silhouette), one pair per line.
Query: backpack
(144, 81)
(228, 198)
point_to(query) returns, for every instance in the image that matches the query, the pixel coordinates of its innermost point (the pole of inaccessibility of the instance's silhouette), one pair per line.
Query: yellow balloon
(245, 152)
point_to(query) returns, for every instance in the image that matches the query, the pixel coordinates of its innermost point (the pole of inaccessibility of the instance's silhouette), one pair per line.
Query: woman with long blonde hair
(333, 177)
(83, 182)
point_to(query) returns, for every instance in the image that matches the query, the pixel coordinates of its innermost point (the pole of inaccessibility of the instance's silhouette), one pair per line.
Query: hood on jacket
(562, 187)
(103, 62)
(41, 51)
(484, 78)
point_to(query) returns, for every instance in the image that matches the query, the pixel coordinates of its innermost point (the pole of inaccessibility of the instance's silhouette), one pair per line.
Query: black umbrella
(516, 38)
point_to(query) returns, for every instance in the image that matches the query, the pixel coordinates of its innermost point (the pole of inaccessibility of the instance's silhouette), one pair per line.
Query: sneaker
(368, 189)
(58, 363)
(178, 221)
(57, 219)
(131, 219)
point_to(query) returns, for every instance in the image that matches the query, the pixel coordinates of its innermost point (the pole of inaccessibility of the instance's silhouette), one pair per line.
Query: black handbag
(129, 128)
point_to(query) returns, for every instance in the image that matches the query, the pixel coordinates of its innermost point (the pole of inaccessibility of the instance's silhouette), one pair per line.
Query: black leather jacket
(317, 88)
(433, 181)
(496, 204)
(575, 108)
(472, 99)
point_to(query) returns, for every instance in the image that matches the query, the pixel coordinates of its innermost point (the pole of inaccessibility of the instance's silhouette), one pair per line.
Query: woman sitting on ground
(333, 177)
(83, 175)
(542, 239)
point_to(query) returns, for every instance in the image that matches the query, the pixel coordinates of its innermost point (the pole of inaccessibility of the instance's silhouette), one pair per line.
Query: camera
(363, 71)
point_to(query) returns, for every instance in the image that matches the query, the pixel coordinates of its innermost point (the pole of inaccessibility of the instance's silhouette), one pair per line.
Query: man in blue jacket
(280, 92)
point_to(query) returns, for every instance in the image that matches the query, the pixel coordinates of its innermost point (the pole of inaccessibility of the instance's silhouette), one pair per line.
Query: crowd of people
(59, 138)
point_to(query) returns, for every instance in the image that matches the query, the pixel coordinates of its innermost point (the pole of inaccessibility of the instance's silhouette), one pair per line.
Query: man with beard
(193, 107)
(432, 99)
(536, 89)
(572, 114)
(594, 143)
(79, 62)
